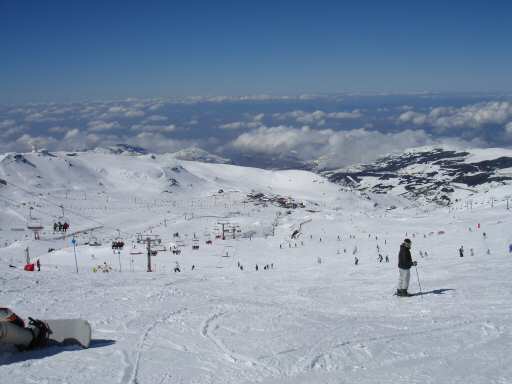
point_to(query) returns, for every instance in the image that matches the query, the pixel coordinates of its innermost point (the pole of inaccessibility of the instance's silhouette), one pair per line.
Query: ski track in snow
(208, 331)
(134, 367)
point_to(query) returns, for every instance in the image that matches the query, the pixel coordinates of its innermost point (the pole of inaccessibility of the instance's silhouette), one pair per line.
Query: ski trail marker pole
(74, 251)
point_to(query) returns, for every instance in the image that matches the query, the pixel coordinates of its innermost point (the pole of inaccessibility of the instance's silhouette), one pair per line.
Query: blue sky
(77, 50)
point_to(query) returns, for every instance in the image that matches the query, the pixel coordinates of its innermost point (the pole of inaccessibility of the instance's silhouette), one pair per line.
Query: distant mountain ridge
(433, 174)
(438, 175)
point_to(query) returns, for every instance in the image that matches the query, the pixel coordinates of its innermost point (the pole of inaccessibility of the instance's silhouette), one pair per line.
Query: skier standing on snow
(461, 251)
(404, 267)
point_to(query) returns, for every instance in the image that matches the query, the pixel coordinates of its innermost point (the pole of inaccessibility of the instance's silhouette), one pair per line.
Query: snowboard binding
(40, 332)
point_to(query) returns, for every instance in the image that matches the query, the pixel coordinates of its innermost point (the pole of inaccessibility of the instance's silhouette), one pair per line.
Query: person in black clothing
(404, 267)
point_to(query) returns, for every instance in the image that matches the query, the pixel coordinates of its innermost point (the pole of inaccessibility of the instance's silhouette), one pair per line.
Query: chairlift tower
(224, 228)
(151, 239)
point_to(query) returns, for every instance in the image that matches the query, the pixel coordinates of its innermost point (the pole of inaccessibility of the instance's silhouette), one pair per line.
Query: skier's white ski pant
(13, 334)
(404, 278)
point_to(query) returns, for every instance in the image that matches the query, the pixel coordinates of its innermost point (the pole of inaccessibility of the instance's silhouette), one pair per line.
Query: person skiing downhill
(404, 267)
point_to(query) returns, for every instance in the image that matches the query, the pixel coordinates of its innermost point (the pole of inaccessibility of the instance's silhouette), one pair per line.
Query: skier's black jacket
(404, 257)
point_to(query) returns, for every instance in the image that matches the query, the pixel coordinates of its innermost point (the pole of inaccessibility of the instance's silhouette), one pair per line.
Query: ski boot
(402, 293)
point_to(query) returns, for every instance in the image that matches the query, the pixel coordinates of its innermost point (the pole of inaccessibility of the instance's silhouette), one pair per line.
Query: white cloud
(122, 111)
(355, 114)
(153, 128)
(333, 148)
(413, 117)
(254, 122)
(234, 125)
(39, 117)
(158, 142)
(27, 142)
(7, 123)
(508, 129)
(156, 106)
(317, 117)
(240, 125)
(12, 131)
(134, 113)
(100, 125)
(58, 129)
(117, 109)
(156, 118)
(469, 116)
(275, 140)
(72, 134)
(361, 145)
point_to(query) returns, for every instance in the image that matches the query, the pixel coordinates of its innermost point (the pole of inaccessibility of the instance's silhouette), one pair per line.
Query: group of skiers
(177, 267)
(266, 267)
(105, 268)
(60, 227)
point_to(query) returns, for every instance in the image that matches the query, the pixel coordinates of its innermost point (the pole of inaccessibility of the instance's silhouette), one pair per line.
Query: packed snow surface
(307, 315)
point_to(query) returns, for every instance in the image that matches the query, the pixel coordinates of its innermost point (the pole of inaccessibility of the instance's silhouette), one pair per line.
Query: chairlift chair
(180, 243)
(62, 217)
(34, 224)
(93, 240)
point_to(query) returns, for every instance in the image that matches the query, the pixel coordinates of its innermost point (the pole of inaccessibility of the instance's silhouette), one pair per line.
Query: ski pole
(418, 276)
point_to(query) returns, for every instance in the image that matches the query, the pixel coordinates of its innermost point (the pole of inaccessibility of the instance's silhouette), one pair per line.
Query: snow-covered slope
(98, 187)
(255, 305)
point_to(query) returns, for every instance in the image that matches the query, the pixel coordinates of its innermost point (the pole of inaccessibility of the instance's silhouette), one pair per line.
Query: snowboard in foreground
(41, 333)
(69, 331)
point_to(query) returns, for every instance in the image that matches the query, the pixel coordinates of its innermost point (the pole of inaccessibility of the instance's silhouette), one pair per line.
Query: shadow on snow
(11, 355)
(435, 292)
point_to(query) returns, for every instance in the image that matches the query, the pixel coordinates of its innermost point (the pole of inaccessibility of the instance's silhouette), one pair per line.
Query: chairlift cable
(68, 209)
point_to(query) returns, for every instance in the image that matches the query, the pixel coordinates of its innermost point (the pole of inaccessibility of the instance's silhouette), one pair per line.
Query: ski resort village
(120, 266)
